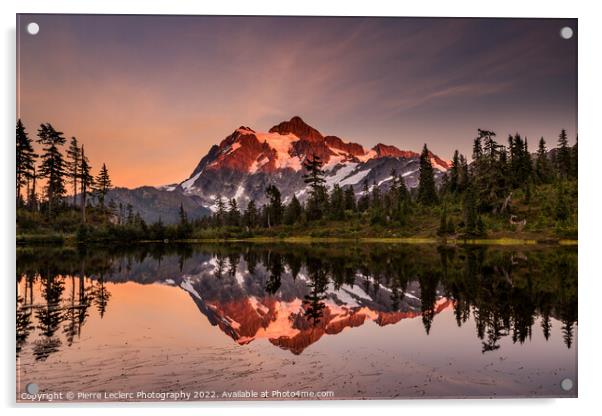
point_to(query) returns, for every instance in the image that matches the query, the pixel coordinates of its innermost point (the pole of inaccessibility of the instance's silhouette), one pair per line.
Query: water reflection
(294, 294)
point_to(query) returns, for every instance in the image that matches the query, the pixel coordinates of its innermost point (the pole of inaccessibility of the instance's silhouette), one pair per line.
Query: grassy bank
(71, 240)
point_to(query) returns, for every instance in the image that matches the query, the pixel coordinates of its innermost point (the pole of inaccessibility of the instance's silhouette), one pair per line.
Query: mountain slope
(246, 162)
(152, 203)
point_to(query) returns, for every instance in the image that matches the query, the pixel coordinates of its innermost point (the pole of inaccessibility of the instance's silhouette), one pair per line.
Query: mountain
(152, 203)
(233, 298)
(247, 161)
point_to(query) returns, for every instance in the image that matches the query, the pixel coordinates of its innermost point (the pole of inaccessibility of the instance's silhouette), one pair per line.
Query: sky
(149, 95)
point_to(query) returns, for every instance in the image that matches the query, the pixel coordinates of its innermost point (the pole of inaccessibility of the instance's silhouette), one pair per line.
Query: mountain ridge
(243, 164)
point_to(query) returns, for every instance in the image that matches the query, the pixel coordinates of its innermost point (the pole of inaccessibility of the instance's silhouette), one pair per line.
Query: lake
(295, 321)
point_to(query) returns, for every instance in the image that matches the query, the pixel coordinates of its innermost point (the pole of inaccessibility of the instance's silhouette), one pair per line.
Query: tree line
(460, 197)
(484, 186)
(60, 169)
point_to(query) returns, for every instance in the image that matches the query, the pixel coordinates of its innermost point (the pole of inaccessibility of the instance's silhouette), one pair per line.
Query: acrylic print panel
(283, 208)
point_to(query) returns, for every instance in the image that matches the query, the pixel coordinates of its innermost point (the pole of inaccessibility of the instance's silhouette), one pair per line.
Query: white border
(590, 176)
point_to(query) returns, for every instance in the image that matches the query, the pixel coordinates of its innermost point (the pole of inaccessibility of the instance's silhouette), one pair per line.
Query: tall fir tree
(86, 181)
(73, 165)
(314, 177)
(575, 160)
(427, 194)
(220, 212)
(26, 158)
(454, 173)
(103, 184)
(337, 203)
(52, 167)
(274, 209)
(233, 215)
(293, 211)
(563, 157)
(349, 198)
(542, 163)
(251, 216)
(363, 203)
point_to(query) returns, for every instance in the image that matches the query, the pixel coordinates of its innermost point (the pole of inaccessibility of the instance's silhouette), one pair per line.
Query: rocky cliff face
(247, 161)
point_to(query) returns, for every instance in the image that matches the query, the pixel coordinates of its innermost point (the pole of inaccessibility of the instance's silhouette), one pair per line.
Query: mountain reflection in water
(292, 295)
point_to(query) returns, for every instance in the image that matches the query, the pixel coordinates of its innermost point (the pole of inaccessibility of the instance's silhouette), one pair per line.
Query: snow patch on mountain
(340, 174)
(356, 178)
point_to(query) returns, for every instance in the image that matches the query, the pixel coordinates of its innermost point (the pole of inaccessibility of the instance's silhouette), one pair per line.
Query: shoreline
(69, 241)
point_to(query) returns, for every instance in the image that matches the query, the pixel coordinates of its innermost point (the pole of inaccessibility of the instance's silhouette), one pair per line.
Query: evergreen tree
(293, 211)
(33, 196)
(349, 199)
(563, 157)
(363, 203)
(427, 194)
(220, 212)
(337, 203)
(52, 167)
(575, 161)
(454, 173)
(251, 216)
(376, 206)
(184, 228)
(233, 216)
(489, 175)
(25, 159)
(86, 182)
(542, 163)
(318, 198)
(562, 208)
(464, 174)
(181, 214)
(274, 209)
(103, 185)
(131, 217)
(73, 165)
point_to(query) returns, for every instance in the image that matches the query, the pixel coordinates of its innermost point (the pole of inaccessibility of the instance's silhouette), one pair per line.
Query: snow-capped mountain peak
(246, 161)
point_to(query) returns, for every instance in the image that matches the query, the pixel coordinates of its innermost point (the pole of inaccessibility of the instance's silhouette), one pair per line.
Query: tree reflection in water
(505, 289)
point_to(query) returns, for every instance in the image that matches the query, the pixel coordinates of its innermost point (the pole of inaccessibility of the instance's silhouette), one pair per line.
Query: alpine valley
(247, 161)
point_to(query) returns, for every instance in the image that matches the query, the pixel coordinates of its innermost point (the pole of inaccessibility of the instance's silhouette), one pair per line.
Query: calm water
(337, 320)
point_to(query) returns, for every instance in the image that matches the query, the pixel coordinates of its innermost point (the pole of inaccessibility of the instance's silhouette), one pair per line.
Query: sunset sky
(149, 95)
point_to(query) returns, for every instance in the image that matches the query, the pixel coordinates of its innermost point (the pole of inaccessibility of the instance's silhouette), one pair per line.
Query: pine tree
(574, 160)
(349, 199)
(33, 196)
(454, 173)
(220, 212)
(25, 159)
(562, 204)
(427, 194)
(542, 163)
(52, 167)
(233, 215)
(73, 165)
(274, 209)
(293, 211)
(337, 203)
(363, 203)
(250, 216)
(318, 198)
(563, 158)
(181, 214)
(86, 182)
(103, 185)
